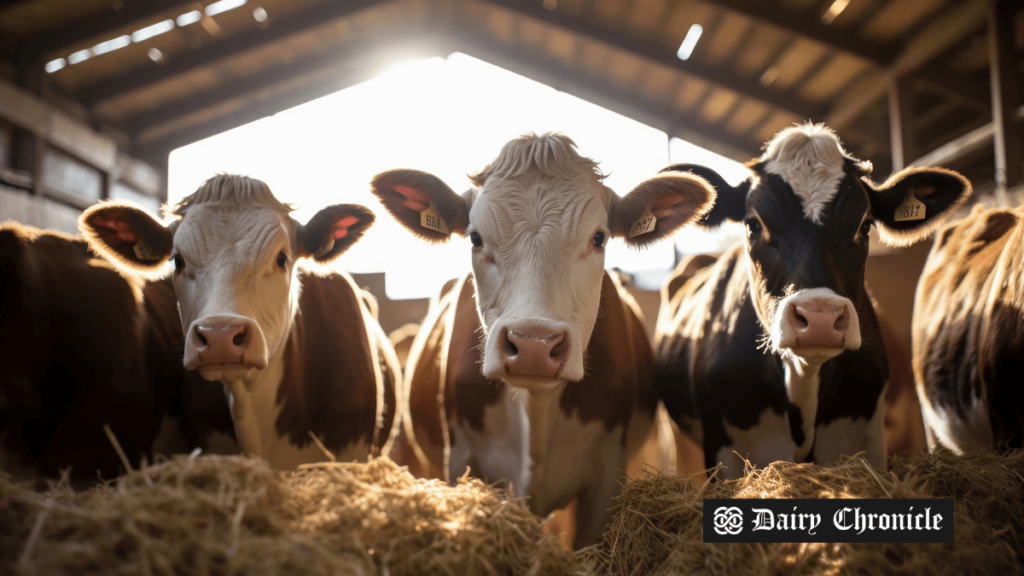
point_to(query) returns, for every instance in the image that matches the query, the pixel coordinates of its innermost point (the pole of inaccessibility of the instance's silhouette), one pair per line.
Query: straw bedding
(233, 515)
(658, 524)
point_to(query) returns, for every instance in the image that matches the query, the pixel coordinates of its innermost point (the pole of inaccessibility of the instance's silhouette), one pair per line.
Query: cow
(968, 333)
(83, 346)
(773, 351)
(307, 371)
(540, 357)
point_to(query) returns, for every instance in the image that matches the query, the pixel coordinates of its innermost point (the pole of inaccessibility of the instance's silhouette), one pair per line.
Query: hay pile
(658, 524)
(233, 515)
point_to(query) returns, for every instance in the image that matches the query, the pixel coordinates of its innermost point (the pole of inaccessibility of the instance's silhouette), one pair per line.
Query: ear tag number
(144, 252)
(432, 220)
(644, 224)
(910, 209)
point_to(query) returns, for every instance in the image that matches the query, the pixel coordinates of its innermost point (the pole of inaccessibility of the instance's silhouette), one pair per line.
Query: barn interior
(96, 95)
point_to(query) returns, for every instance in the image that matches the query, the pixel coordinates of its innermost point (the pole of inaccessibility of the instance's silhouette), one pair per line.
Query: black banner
(840, 520)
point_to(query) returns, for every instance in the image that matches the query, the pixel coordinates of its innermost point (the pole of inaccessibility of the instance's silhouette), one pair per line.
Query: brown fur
(94, 224)
(676, 199)
(427, 188)
(317, 235)
(329, 385)
(968, 326)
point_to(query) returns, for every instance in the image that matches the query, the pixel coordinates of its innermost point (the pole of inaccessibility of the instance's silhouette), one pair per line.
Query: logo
(828, 520)
(728, 520)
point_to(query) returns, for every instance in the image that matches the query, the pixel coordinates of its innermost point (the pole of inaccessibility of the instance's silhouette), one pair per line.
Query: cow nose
(533, 352)
(222, 343)
(818, 322)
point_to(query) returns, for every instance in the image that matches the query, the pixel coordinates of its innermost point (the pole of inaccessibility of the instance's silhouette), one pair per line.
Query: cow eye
(754, 227)
(865, 228)
(475, 239)
(282, 259)
(599, 239)
(179, 263)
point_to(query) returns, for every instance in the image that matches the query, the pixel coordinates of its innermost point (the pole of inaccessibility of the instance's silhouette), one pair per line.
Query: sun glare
(446, 116)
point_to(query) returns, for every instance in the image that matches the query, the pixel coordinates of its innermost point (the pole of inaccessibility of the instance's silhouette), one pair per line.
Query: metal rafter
(653, 51)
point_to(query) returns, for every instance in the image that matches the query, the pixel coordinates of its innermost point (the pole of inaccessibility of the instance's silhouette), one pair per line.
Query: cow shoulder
(610, 387)
(467, 392)
(329, 385)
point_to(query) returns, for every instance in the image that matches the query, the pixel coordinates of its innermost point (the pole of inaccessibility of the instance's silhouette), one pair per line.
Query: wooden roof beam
(809, 25)
(152, 72)
(750, 87)
(956, 23)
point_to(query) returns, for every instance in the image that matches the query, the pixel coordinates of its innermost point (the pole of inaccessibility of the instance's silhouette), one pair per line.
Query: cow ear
(333, 230)
(730, 201)
(126, 235)
(912, 203)
(659, 206)
(422, 203)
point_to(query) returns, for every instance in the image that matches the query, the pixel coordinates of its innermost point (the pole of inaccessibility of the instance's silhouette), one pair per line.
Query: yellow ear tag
(644, 224)
(144, 252)
(910, 209)
(430, 219)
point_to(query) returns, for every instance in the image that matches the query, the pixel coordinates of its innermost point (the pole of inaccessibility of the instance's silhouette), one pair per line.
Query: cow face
(234, 249)
(808, 208)
(539, 219)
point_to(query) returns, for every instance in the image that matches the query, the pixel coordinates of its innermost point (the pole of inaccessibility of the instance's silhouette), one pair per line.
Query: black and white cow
(774, 350)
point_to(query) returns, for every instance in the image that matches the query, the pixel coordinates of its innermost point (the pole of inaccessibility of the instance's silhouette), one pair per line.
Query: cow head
(539, 218)
(808, 208)
(234, 249)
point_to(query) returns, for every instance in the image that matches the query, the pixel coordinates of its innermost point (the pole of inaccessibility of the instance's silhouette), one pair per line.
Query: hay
(658, 523)
(233, 515)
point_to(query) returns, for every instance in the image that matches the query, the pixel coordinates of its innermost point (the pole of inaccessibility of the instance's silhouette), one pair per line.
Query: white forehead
(231, 212)
(538, 182)
(810, 158)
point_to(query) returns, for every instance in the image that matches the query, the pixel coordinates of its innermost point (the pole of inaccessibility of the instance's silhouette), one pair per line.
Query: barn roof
(760, 65)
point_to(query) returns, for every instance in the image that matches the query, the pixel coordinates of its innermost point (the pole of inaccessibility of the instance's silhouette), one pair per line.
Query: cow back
(968, 324)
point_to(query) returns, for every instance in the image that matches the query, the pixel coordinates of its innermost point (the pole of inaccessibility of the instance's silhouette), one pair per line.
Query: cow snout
(223, 343)
(818, 323)
(818, 318)
(532, 352)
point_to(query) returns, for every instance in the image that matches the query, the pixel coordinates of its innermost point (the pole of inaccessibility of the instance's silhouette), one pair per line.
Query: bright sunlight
(449, 117)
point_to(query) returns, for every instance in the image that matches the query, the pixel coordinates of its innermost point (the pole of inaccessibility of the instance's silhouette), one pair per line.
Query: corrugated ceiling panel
(690, 93)
(777, 121)
(647, 15)
(746, 116)
(726, 37)
(796, 61)
(756, 56)
(839, 72)
(719, 102)
(687, 14)
(561, 46)
(533, 33)
(657, 81)
(897, 17)
(624, 69)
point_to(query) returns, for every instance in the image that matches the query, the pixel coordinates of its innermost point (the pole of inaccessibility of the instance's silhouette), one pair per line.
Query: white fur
(546, 456)
(950, 430)
(767, 441)
(781, 332)
(809, 157)
(802, 383)
(537, 212)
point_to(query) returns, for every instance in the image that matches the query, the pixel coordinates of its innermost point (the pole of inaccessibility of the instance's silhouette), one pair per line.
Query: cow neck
(250, 398)
(803, 379)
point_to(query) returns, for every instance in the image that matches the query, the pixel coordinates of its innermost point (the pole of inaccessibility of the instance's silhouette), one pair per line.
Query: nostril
(799, 320)
(239, 338)
(201, 338)
(842, 322)
(510, 349)
(559, 350)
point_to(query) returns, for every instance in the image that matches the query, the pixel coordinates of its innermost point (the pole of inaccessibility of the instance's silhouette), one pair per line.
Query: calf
(541, 360)
(774, 350)
(293, 362)
(84, 346)
(968, 333)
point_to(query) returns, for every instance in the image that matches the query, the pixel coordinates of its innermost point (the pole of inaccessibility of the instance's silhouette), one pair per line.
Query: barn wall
(27, 208)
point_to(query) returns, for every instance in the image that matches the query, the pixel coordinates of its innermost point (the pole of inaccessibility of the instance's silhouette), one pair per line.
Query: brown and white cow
(82, 346)
(297, 350)
(968, 333)
(544, 367)
(774, 350)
